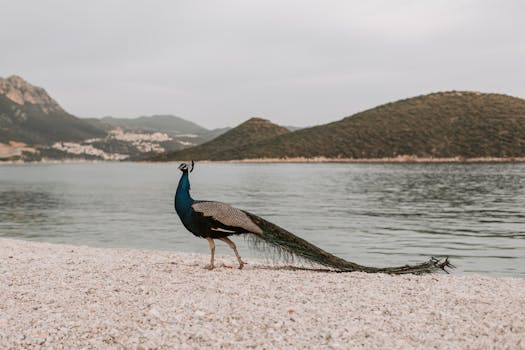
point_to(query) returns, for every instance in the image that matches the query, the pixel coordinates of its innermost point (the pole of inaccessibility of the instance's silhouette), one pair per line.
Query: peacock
(215, 220)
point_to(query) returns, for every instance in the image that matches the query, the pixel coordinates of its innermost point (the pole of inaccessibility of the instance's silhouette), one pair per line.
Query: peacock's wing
(225, 218)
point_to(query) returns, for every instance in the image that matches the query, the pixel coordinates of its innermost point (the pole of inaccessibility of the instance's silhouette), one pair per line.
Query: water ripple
(375, 214)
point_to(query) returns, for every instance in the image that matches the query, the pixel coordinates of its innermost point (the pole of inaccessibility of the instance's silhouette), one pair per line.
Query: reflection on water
(26, 210)
(376, 214)
(26, 200)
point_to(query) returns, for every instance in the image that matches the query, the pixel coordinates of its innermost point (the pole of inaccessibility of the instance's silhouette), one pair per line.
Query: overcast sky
(219, 63)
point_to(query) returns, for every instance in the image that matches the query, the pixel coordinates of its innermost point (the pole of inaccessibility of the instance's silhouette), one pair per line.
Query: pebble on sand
(59, 296)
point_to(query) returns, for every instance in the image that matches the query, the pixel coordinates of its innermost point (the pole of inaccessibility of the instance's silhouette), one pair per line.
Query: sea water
(372, 214)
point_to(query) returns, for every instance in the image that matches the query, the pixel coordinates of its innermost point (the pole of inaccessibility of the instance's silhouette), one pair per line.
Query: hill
(169, 124)
(438, 125)
(28, 114)
(34, 127)
(227, 145)
(187, 133)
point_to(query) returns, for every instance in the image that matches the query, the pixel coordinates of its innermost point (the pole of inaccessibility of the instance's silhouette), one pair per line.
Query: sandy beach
(399, 159)
(60, 296)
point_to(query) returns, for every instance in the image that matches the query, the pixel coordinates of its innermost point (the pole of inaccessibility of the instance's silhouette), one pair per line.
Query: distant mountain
(293, 128)
(181, 129)
(29, 115)
(227, 145)
(169, 124)
(438, 125)
(211, 134)
(34, 127)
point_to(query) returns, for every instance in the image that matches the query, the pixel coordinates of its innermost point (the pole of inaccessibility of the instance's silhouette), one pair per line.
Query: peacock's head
(185, 167)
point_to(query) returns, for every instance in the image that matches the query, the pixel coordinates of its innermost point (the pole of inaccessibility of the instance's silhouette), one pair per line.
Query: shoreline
(403, 159)
(64, 296)
(394, 160)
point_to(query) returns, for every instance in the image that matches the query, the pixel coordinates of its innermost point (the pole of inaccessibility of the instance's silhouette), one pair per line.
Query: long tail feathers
(289, 244)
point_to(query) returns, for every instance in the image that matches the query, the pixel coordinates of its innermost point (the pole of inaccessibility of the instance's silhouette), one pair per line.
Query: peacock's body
(216, 220)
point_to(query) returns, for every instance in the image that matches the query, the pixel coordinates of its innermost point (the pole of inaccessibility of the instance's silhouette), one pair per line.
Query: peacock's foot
(226, 266)
(209, 267)
(241, 264)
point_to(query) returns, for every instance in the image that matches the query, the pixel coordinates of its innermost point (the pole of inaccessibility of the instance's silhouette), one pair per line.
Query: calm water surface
(375, 214)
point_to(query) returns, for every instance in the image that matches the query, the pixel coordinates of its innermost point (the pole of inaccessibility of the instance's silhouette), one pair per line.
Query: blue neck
(183, 200)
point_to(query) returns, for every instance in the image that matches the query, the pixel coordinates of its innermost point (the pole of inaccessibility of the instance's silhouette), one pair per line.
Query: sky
(297, 63)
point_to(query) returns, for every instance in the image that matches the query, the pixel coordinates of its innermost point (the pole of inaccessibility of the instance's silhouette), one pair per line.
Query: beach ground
(62, 296)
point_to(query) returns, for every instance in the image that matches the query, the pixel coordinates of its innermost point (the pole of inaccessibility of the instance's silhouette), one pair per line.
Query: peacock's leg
(232, 246)
(212, 249)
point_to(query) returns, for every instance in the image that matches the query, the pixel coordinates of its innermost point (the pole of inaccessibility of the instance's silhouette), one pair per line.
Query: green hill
(34, 127)
(438, 125)
(28, 114)
(180, 129)
(228, 144)
(169, 124)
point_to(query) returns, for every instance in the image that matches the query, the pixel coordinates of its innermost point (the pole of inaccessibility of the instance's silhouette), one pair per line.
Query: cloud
(295, 62)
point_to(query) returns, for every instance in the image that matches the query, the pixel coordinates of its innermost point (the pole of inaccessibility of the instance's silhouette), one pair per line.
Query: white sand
(58, 296)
